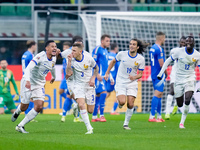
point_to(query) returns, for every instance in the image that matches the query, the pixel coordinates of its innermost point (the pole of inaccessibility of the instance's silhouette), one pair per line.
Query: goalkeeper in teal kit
(6, 76)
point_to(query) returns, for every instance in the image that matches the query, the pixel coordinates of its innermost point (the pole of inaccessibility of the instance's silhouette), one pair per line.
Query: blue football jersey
(26, 58)
(156, 52)
(100, 55)
(114, 70)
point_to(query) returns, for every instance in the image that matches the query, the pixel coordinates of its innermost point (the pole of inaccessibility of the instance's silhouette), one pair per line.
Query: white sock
(18, 110)
(175, 103)
(30, 116)
(151, 116)
(85, 118)
(101, 116)
(159, 116)
(184, 114)
(169, 103)
(129, 113)
(94, 117)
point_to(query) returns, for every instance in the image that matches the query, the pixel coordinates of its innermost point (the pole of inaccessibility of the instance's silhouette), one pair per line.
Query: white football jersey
(40, 71)
(83, 70)
(128, 66)
(186, 63)
(65, 54)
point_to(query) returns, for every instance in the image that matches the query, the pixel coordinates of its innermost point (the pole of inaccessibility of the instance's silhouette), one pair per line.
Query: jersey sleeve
(174, 55)
(95, 53)
(119, 56)
(65, 53)
(93, 63)
(142, 64)
(37, 58)
(159, 53)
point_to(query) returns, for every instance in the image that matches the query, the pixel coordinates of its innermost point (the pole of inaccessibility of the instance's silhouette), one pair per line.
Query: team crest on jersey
(135, 63)
(85, 66)
(194, 60)
(53, 64)
(38, 57)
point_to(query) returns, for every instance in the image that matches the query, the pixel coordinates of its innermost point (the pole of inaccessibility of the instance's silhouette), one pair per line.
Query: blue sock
(67, 106)
(96, 107)
(159, 106)
(30, 106)
(115, 106)
(63, 95)
(102, 100)
(154, 104)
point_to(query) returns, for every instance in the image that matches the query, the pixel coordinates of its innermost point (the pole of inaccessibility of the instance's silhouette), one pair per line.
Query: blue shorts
(63, 84)
(100, 86)
(157, 85)
(109, 87)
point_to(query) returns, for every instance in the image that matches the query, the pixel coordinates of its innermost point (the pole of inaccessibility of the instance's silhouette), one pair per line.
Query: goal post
(123, 26)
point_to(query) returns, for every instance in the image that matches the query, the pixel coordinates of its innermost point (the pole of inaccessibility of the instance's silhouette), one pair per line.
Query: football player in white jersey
(81, 65)
(126, 82)
(34, 81)
(184, 85)
(170, 96)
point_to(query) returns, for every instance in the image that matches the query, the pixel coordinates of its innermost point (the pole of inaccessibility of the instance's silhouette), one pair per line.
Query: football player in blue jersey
(157, 58)
(100, 55)
(110, 84)
(26, 58)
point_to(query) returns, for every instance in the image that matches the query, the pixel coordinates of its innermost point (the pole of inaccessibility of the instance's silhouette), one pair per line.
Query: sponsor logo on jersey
(53, 64)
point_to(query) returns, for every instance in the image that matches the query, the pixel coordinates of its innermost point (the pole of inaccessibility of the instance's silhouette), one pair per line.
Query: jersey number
(152, 59)
(129, 70)
(187, 67)
(82, 74)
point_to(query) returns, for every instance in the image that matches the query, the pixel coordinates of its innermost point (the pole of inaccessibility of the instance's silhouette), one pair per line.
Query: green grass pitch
(51, 134)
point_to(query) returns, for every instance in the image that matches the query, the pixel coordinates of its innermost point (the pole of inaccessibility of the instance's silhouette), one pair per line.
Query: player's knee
(180, 104)
(121, 103)
(1, 112)
(187, 101)
(24, 107)
(130, 106)
(172, 93)
(61, 91)
(81, 106)
(90, 111)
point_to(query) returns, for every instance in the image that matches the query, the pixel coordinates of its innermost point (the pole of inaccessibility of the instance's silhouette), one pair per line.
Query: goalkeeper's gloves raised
(16, 97)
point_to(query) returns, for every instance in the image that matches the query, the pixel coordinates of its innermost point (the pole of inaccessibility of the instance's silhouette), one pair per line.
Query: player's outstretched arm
(53, 73)
(69, 71)
(164, 67)
(112, 63)
(92, 80)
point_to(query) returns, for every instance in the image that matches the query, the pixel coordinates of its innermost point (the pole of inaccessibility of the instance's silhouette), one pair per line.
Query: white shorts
(70, 86)
(38, 94)
(180, 89)
(126, 89)
(25, 94)
(88, 93)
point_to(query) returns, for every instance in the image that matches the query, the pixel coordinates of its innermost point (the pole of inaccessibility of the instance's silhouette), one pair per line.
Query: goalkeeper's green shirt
(6, 76)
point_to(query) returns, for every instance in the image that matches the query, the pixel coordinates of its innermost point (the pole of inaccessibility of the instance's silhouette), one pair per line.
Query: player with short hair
(157, 58)
(126, 86)
(170, 96)
(187, 58)
(6, 76)
(25, 60)
(81, 66)
(110, 84)
(33, 81)
(100, 55)
(68, 101)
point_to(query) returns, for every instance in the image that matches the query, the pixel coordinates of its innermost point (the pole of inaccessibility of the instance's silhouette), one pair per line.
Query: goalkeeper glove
(16, 97)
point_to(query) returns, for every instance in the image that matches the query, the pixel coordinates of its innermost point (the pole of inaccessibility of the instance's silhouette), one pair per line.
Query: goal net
(122, 26)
